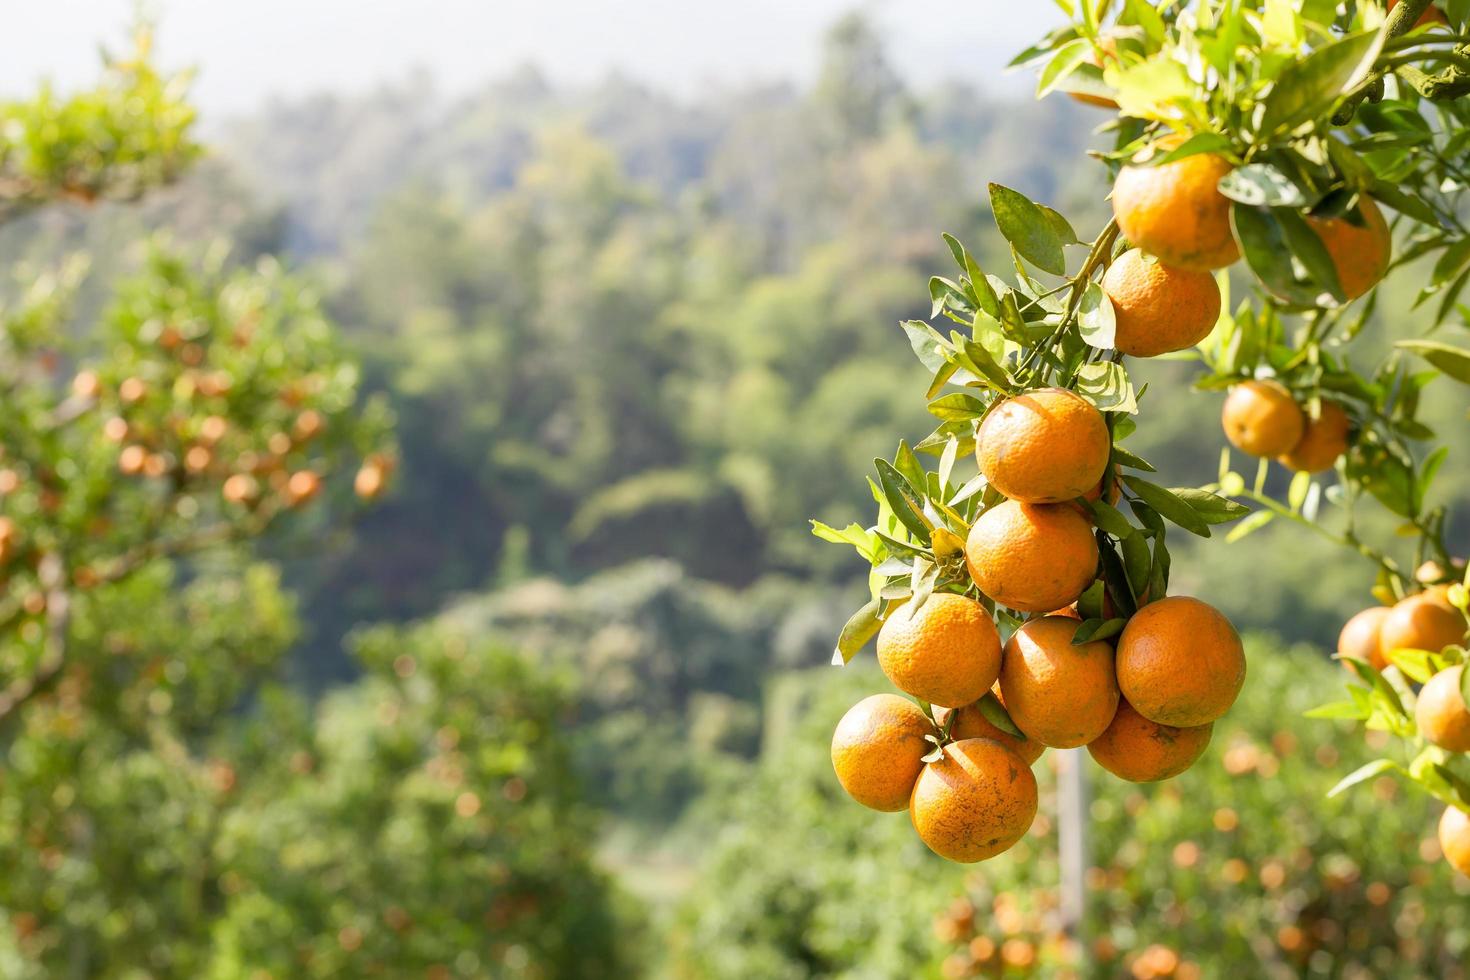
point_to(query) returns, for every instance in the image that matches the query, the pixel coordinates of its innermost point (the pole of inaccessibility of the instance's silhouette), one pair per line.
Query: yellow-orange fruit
(973, 803)
(1044, 446)
(1032, 557)
(1454, 838)
(946, 651)
(1323, 441)
(1360, 636)
(1142, 751)
(878, 750)
(303, 486)
(1441, 713)
(970, 722)
(1423, 621)
(1360, 254)
(1261, 418)
(1176, 211)
(1059, 694)
(1159, 309)
(1180, 662)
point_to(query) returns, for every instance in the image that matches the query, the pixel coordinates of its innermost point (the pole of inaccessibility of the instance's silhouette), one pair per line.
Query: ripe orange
(1323, 441)
(1180, 662)
(1359, 253)
(1043, 447)
(1441, 713)
(1032, 557)
(878, 750)
(971, 723)
(1158, 308)
(1058, 694)
(1454, 838)
(1360, 636)
(976, 801)
(1261, 418)
(946, 651)
(1142, 751)
(1423, 621)
(1176, 211)
(1432, 15)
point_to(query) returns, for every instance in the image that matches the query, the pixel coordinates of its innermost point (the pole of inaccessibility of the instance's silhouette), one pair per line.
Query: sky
(248, 51)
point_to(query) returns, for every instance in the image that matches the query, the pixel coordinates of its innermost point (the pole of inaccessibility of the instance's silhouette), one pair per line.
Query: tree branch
(1400, 21)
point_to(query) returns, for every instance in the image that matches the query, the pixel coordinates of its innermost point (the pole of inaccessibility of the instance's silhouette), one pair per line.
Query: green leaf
(907, 505)
(1124, 457)
(861, 627)
(1296, 494)
(1375, 768)
(983, 292)
(1095, 318)
(1110, 519)
(1029, 230)
(859, 537)
(1106, 385)
(1062, 63)
(1338, 709)
(1453, 361)
(1465, 686)
(1416, 665)
(958, 406)
(1212, 507)
(1169, 505)
(995, 713)
(1097, 629)
(928, 345)
(945, 294)
(1262, 185)
(1307, 90)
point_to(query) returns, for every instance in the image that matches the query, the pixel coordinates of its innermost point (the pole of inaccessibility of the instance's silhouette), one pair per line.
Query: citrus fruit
(1044, 446)
(1261, 418)
(1441, 713)
(974, 802)
(1423, 621)
(946, 651)
(1360, 636)
(1157, 308)
(1031, 557)
(1454, 838)
(971, 722)
(1360, 253)
(1057, 693)
(1180, 662)
(1323, 441)
(1176, 211)
(1106, 47)
(878, 750)
(1142, 751)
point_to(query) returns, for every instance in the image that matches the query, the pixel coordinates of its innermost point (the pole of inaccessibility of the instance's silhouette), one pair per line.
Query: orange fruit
(1262, 419)
(1433, 15)
(1142, 751)
(1159, 309)
(1057, 693)
(1441, 713)
(1360, 636)
(1044, 446)
(972, 723)
(946, 651)
(1176, 211)
(1454, 838)
(878, 750)
(1323, 441)
(303, 486)
(1359, 253)
(977, 800)
(1180, 662)
(1423, 621)
(1032, 557)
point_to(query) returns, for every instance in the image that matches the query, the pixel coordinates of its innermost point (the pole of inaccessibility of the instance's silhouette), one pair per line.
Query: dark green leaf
(1169, 505)
(1308, 89)
(1453, 361)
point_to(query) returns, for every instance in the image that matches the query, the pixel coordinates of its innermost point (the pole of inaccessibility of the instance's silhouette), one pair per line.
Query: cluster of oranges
(1427, 621)
(1144, 707)
(1262, 418)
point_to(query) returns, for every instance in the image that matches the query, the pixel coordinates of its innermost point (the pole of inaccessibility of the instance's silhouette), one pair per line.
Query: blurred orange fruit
(1422, 621)
(1262, 419)
(1323, 441)
(1454, 838)
(1360, 636)
(1441, 713)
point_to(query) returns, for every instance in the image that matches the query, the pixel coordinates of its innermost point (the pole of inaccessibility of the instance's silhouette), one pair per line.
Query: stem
(1400, 22)
(1347, 539)
(1101, 246)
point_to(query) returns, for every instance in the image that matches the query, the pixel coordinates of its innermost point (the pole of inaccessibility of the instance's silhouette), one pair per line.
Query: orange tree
(1326, 144)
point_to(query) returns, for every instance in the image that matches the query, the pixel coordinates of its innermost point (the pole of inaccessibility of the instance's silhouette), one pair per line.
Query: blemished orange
(1360, 253)
(1441, 713)
(1262, 419)
(1422, 621)
(1323, 441)
(1143, 751)
(1360, 636)
(1180, 662)
(1043, 447)
(1176, 211)
(878, 750)
(946, 651)
(974, 802)
(1157, 308)
(972, 723)
(1032, 557)
(1059, 694)
(1454, 838)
